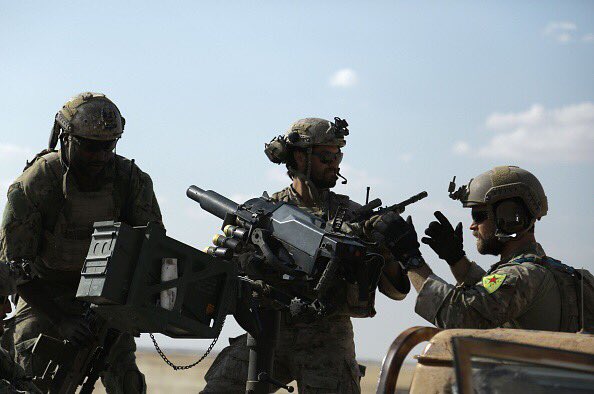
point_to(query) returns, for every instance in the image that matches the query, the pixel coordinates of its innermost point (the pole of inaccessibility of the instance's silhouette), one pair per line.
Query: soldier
(319, 355)
(48, 220)
(525, 289)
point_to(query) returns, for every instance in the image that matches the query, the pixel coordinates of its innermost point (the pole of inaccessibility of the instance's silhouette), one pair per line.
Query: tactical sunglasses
(95, 145)
(479, 215)
(327, 157)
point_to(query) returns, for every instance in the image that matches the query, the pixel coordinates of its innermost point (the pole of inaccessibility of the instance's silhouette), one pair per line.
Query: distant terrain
(161, 378)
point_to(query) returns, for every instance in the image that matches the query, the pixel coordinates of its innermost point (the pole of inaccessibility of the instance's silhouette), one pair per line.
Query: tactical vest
(569, 281)
(68, 222)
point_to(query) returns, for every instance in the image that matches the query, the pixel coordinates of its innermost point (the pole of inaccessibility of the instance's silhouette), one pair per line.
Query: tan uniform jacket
(511, 294)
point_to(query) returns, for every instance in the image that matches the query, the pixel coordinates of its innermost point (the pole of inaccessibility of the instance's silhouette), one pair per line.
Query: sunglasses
(95, 145)
(327, 157)
(479, 216)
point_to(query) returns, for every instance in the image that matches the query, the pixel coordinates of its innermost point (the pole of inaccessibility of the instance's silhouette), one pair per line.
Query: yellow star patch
(492, 282)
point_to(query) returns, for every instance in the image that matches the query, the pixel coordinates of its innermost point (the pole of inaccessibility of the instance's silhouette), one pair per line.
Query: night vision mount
(461, 194)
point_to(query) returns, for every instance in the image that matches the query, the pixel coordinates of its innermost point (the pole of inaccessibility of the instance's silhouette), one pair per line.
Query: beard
(490, 245)
(327, 180)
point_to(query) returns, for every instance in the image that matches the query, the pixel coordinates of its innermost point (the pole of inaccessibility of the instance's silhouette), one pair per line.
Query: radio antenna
(367, 195)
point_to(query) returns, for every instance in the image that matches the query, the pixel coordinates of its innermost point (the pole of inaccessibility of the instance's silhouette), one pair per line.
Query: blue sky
(430, 90)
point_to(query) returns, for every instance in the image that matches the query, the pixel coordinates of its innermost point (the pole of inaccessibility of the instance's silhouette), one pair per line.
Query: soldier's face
(89, 156)
(325, 165)
(483, 228)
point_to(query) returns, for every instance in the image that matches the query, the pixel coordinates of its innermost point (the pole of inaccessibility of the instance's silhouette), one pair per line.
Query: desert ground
(161, 378)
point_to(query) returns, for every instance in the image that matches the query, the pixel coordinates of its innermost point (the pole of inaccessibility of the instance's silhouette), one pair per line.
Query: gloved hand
(398, 235)
(75, 329)
(444, 240)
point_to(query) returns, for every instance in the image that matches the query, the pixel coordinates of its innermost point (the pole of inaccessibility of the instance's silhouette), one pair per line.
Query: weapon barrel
(402, 205)
(212, 202)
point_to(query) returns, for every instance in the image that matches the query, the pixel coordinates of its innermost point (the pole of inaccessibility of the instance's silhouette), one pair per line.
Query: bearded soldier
(525, 289)
(319, 355)
(48, 221)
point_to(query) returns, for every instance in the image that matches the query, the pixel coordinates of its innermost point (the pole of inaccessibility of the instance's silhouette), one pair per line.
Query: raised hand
(446, 241)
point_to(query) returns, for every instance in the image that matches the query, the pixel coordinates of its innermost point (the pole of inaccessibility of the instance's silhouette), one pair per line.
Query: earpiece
(511, 217)
(276, 150)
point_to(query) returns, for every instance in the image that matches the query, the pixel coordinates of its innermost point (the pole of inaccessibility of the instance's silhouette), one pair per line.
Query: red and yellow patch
(492, 282)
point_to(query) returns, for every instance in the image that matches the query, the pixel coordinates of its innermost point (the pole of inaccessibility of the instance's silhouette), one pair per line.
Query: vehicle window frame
(466, 348)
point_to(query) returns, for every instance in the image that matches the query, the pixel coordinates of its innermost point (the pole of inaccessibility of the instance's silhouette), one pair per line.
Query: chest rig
(68, 220)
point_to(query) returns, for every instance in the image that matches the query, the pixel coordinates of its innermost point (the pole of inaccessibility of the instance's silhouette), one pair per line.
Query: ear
(300, 159)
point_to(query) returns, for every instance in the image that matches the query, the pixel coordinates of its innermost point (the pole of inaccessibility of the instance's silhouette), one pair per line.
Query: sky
(430, 90)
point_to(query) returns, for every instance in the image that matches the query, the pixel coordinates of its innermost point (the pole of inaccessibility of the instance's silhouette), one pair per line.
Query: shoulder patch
(492, 282)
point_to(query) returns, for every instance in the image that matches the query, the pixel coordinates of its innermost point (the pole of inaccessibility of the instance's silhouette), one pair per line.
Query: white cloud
(563, 134)
(405, 157)
(344, 78)
(461, 148)
(561, 31)
(588, 37)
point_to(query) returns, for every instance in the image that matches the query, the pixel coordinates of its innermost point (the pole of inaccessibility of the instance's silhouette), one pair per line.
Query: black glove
(75, 329)
(398, 235)
(444, 240)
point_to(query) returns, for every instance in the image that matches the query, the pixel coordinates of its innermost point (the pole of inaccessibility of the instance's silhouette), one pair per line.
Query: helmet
(304, 134)
(506, 182)
(315, 131)
(501, 188)
(90, 115)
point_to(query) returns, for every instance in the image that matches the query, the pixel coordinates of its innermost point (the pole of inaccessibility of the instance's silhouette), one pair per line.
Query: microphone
(344, 182)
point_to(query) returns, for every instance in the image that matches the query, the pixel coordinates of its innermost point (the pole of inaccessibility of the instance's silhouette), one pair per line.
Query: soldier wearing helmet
(48, 222)
(525, 289)
(319, 355)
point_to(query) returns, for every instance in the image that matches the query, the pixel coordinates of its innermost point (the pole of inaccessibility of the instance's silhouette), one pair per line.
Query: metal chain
(184, 367)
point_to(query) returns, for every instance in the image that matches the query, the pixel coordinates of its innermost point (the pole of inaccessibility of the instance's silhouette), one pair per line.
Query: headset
(512, 218)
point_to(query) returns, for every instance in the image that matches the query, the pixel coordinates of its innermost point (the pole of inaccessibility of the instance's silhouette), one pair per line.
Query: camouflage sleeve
(497, 298)
(21, 226)
(474, 274)
(144, 205)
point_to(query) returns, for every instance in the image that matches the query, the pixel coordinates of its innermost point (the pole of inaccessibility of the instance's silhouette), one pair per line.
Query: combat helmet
(506, 184)
(304, 134)
(88, 115)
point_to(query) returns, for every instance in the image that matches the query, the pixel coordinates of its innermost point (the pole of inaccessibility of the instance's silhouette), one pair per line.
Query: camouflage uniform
(320, 356)
(526, 289)
(527, 297)
(48, 221)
